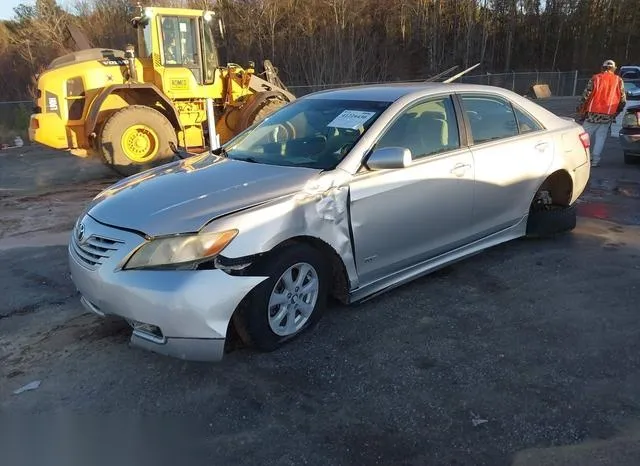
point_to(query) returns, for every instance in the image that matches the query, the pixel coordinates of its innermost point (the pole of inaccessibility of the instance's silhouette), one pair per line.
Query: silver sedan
(345, 194)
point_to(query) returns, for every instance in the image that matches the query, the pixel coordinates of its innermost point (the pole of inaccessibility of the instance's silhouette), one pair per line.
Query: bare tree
(322, 42)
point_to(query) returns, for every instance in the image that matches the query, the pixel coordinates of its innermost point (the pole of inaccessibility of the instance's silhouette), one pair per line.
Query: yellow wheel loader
(137, 110)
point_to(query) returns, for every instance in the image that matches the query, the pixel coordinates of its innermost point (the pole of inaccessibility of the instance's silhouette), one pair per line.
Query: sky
(7, 6)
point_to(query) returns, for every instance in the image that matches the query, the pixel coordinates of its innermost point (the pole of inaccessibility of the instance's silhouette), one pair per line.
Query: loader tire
(266, 109)
(135, 139)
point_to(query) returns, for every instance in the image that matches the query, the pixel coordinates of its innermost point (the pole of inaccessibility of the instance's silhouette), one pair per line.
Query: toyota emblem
(80, 234)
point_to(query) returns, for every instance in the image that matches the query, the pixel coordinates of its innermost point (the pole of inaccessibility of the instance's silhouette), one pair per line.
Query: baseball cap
(609, 64)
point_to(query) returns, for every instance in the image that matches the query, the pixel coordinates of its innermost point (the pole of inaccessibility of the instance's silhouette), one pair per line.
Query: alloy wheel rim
(293, 299)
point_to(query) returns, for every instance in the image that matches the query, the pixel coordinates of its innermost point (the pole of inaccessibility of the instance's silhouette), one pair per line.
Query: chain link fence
(14, 116)
(561, 83)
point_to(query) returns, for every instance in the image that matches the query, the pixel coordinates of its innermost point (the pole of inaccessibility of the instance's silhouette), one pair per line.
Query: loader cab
(183, 47)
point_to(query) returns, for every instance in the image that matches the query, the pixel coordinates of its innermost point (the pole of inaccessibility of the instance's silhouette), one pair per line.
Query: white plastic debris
(476, 420)
(30, 386)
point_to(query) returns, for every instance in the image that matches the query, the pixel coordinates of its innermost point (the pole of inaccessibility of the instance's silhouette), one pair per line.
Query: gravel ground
(528, 354)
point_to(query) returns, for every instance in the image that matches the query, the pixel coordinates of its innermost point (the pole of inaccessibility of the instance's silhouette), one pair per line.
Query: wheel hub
(140, 143)
(293, 299)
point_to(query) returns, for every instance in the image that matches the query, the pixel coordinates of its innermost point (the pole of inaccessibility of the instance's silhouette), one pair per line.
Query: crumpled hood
(183, 196)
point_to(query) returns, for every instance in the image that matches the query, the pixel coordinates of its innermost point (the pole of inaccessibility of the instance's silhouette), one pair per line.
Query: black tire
(251, 318)
(551, 221)
(631, 159)
(110, 139)
(267, 109)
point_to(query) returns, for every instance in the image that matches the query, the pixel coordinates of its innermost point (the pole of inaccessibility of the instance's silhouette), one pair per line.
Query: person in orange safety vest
(602, 101)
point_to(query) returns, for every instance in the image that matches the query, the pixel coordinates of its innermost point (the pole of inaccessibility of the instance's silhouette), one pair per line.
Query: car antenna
(456, 76)
(440, 75)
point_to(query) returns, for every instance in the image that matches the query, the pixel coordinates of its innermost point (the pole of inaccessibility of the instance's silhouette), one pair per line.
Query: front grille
(94, 250)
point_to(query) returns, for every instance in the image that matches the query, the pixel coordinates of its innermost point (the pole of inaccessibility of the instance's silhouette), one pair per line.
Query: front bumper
(190, 309)
(630, 140)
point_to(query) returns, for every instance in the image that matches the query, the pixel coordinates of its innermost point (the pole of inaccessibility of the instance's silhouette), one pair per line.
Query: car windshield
(631, 85)
(312, 133)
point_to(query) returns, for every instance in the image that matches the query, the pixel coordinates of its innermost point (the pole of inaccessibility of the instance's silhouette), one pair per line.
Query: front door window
(426, 129)
(179, 41)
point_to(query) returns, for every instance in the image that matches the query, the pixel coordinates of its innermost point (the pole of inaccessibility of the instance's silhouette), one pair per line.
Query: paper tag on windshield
(351, 119)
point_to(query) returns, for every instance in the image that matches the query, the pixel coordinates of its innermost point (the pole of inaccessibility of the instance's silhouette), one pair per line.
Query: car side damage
(317, 215)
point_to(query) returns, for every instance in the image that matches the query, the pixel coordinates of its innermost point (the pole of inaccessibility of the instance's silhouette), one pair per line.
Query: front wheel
(289, 302)
(136, 138)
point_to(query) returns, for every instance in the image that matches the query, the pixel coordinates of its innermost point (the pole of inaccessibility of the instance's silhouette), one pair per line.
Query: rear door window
(526, 123)
(490, 117)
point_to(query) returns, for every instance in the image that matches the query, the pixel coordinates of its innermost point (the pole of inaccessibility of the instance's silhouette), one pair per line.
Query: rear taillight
(631, 120)
(584, 139)
(35, 124)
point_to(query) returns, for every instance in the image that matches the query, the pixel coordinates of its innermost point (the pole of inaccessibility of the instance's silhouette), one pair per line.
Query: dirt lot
(540, 339)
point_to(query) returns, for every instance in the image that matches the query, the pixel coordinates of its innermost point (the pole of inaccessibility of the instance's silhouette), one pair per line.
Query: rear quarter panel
(572, 157)
(569, 154)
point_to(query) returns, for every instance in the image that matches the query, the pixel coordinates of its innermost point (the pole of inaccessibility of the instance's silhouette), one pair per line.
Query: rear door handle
(541, 146)
(460, 169)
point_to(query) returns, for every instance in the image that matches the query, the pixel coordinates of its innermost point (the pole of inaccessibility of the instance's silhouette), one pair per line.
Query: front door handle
(460, 169)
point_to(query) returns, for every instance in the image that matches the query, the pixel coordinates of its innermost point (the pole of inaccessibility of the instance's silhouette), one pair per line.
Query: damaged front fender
(319, 211)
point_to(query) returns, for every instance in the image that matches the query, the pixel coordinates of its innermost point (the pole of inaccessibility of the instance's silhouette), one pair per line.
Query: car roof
(394, 91)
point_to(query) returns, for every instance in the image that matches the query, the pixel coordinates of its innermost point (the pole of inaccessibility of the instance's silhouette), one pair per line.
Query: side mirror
(389, 158)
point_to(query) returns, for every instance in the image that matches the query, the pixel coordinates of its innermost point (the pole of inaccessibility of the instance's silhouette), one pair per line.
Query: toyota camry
(341, 194)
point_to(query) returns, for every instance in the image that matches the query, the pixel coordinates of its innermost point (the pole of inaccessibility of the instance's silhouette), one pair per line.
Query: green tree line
(336, 41)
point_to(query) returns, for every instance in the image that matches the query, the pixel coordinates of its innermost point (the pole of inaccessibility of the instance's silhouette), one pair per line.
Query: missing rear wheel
(551, 220)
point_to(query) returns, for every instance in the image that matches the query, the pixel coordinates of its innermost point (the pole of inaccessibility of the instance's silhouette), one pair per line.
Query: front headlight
(180, 251)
